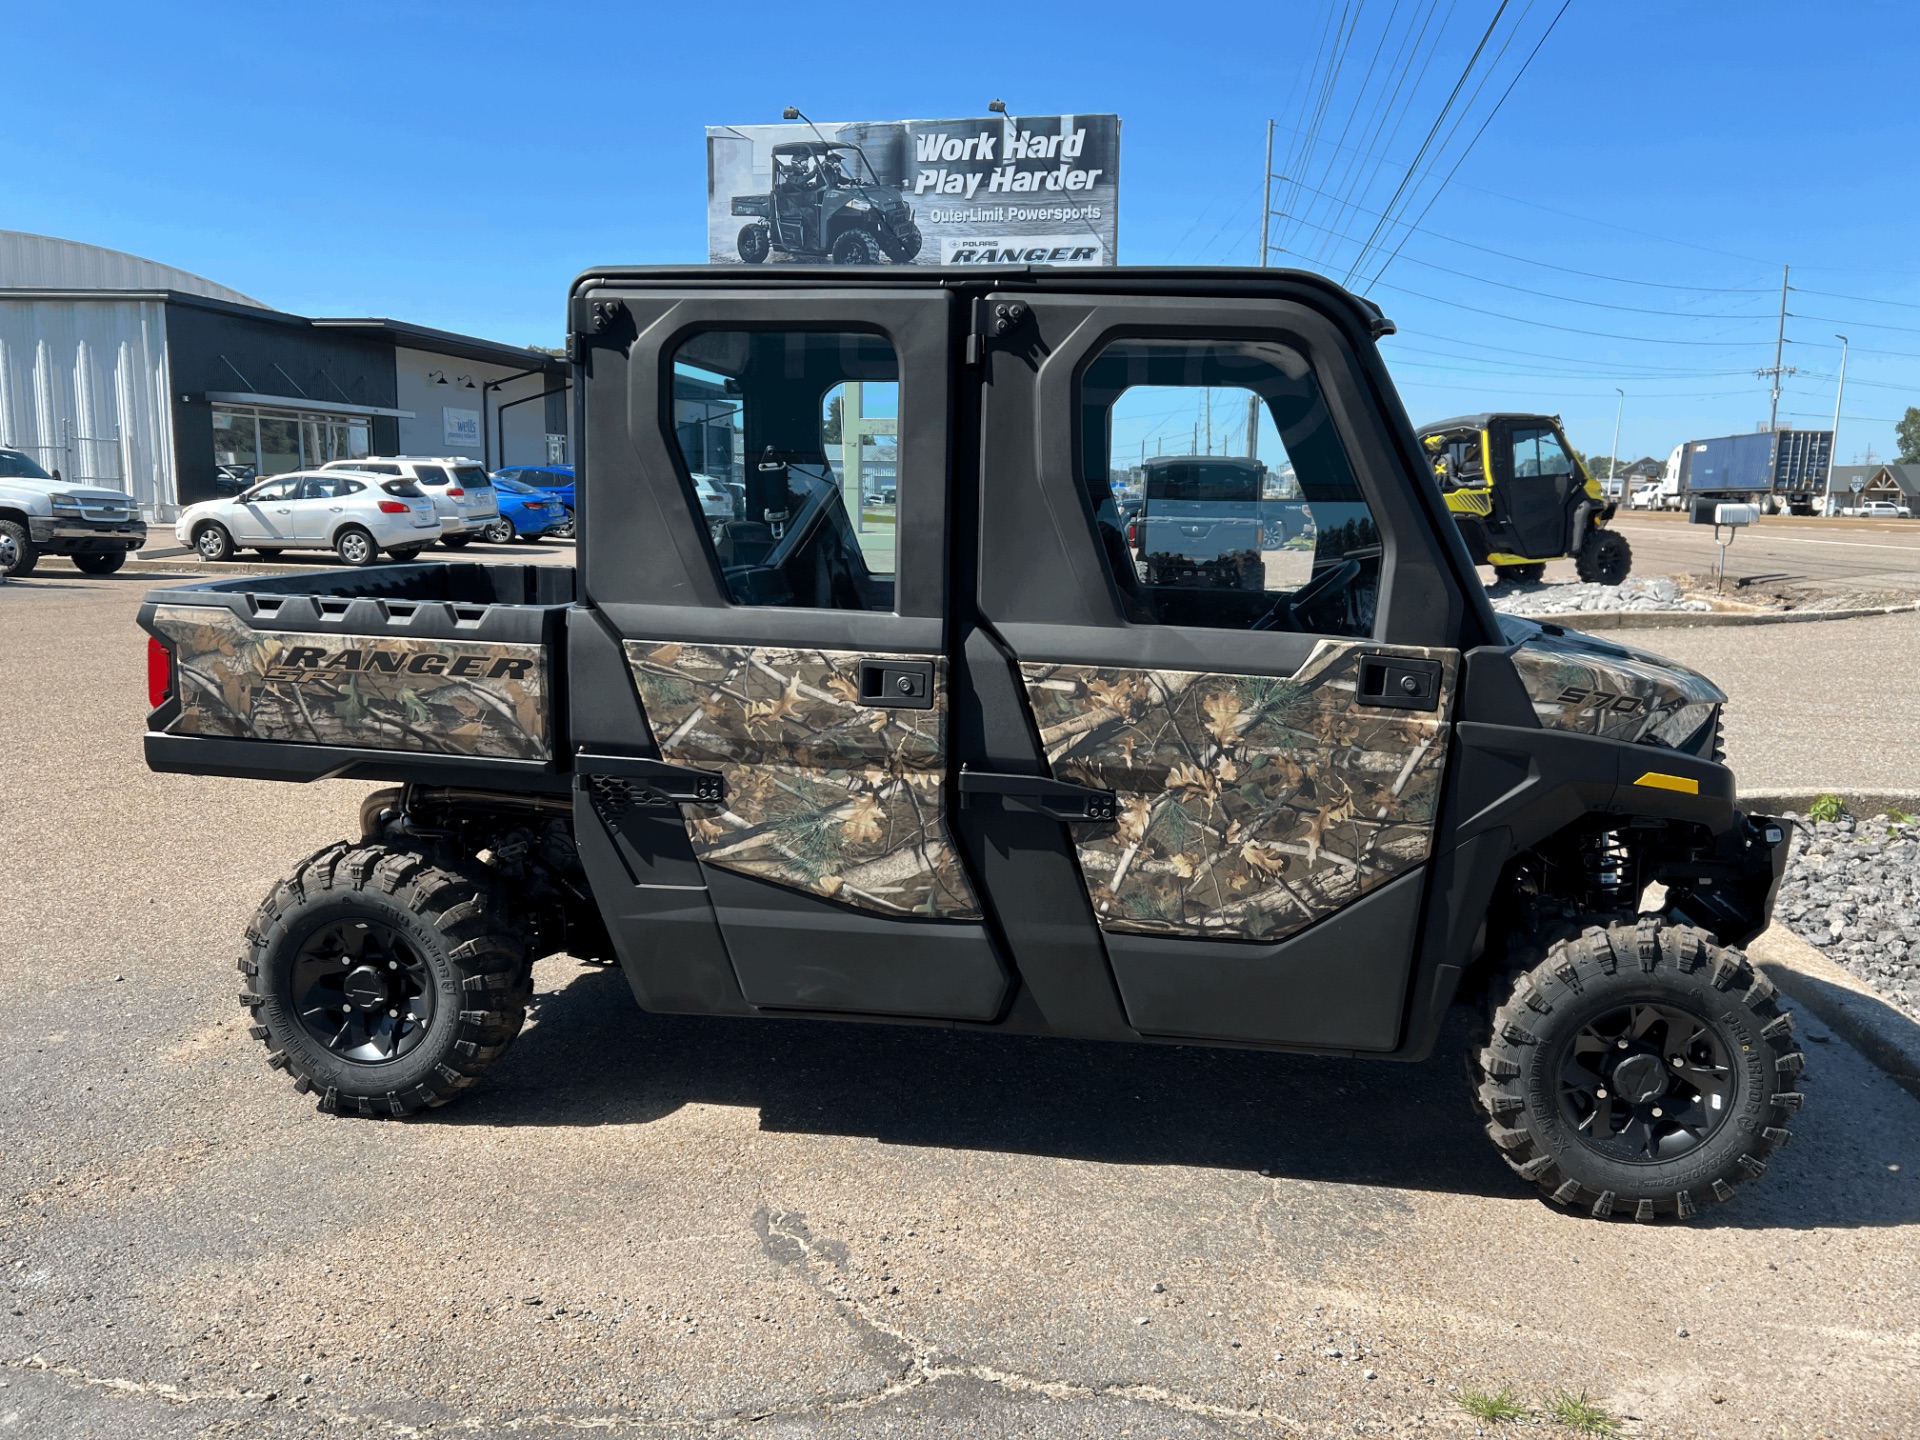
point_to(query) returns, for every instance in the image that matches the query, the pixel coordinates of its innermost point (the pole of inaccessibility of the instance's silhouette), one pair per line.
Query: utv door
(1270, 754)
(1536, 484)
(762, 705)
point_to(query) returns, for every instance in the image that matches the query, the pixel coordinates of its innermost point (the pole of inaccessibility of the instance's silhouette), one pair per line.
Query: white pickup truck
(40, 514)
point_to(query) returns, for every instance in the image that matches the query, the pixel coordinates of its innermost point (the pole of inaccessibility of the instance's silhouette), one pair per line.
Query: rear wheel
(564, 530)
(382, 983)
(212, 543)
(1521, 574)
(1639, 1070)
(100, 562)
(355, 547)
(856, 247)
(755, 243)
(456, 542)
(406, 554)
(1605, 558)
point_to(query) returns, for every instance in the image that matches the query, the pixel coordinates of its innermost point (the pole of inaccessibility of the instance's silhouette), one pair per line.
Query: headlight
(65, 505)
(859, 206)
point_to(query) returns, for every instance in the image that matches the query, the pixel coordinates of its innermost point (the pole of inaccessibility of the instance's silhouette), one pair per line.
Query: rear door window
(430, 475)
(471, 477)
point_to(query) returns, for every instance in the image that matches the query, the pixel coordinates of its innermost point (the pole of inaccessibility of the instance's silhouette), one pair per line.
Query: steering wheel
(1293, 608)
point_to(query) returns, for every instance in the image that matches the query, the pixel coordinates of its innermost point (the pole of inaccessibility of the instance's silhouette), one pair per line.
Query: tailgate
(292, 679)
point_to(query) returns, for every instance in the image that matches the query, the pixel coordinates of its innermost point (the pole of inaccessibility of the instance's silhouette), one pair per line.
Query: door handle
(680, 784)
(1056, 799)
(1399, 682)
(897, 684)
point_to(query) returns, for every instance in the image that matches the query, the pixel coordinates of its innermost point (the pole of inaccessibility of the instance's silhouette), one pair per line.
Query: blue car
(525, 513)
(556, 480)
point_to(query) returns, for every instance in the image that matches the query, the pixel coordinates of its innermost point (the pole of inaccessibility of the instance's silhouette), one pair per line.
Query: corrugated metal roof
(43, 262)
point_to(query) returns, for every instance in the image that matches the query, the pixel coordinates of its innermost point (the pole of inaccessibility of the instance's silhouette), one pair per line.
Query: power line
(1549, 295)
(1864, 324)
(1441, 188)
(1640, 234)
(1571, 329)
(1420, 154)
(1565, 359)
(1568, 269)
(1863, 299)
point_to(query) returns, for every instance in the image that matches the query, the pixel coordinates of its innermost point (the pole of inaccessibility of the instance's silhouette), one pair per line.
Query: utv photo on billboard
(999, 189)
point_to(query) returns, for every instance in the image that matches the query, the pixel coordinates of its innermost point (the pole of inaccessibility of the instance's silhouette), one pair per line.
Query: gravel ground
(1853, 889)
(1635, 593)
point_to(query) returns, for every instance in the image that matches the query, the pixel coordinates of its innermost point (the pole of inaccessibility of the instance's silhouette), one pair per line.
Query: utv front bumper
(1731, 891)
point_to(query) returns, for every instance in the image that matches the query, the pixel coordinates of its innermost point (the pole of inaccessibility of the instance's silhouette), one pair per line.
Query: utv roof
(1163, 460)
(1236, 282)
(1481, 421)
(813, 147)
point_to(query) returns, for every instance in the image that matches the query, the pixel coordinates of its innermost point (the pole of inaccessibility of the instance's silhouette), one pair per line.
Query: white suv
(462, 490)
(355, 516)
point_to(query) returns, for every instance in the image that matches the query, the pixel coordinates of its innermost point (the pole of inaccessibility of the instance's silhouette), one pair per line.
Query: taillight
(159, 673)
(456, 492)
(394, 507)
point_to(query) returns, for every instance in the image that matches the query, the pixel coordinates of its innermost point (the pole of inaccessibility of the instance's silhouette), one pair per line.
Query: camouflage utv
(967, 761)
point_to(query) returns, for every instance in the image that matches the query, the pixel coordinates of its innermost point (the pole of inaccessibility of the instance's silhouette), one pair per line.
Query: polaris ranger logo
(315, 662)
(1081, 249)
(1603, 700)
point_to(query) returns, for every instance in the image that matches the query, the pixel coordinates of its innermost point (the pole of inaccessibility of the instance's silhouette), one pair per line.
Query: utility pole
(1779, 354)
(1613, 455)
(1833, 447)
(1209, 419)
(1266, 195)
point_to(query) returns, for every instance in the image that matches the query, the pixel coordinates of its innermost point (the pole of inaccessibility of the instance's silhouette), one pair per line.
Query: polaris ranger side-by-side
(971, 767)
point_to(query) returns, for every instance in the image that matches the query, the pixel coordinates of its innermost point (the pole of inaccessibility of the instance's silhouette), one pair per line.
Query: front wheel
(456, 542)
(99, 562)
(382, 983)
(1605, 558)
(1639, 1070)
(355, 547)
(500, 531)
(1520, 574)
(213, 543)
(17, 553)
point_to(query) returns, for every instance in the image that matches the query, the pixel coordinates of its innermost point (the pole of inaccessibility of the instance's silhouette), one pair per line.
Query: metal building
(120, 371)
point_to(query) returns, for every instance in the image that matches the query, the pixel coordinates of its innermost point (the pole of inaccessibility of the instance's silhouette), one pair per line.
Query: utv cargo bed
(444, 673)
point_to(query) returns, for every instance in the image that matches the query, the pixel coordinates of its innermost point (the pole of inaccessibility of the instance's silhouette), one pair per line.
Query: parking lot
(662, 1226)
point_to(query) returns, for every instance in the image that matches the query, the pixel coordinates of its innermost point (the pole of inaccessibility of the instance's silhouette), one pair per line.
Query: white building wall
(433, 431)
(84, 390)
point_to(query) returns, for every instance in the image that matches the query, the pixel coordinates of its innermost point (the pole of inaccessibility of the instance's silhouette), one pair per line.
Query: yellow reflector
(1654, 780)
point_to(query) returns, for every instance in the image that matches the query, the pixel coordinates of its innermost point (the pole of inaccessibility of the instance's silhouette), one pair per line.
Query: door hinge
(994, 319)
(1056, 799)
(677, 783)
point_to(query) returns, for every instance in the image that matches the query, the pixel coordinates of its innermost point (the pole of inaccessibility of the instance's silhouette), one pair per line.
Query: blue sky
(456, 165)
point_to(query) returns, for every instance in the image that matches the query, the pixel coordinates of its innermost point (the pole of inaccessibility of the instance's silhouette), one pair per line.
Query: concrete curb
(1861, 804)
(1591, 620)
(1888, 1038)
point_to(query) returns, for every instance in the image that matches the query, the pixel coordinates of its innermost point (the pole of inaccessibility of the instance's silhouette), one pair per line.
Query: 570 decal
(1604, 701)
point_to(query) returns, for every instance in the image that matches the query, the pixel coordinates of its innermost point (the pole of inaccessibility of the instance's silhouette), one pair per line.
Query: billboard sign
(1003, 190)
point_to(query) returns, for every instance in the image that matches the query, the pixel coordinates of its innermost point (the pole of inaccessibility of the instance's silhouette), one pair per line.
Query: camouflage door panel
(823, 793)
(369, 692)
(1251, 806)
(1595, 687)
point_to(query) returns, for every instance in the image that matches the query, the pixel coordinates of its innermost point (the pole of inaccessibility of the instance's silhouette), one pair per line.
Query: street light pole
(1613, 455)
(1833, 446)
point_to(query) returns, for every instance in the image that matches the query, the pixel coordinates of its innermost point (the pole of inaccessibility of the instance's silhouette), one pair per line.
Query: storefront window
(276, 442)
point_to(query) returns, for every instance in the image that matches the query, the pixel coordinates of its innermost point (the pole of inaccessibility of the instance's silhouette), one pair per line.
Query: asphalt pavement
(665, 1226)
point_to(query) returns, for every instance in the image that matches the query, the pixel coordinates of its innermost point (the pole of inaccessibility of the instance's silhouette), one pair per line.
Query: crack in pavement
(788, 1242)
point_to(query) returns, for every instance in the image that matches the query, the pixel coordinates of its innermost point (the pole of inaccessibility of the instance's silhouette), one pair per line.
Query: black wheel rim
(1645, 1082)
(362, 991)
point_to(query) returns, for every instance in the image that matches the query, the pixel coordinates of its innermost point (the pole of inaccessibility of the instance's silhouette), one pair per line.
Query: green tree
(1908, 433)
(830, 431)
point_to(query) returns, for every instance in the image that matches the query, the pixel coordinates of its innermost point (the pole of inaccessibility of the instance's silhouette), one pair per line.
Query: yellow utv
(1521, 497)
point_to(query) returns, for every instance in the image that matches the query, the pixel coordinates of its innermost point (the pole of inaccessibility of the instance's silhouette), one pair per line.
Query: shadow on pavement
(591, 1057)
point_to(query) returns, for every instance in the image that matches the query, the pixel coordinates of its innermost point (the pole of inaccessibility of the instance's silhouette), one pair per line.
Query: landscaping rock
(1852, 889)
